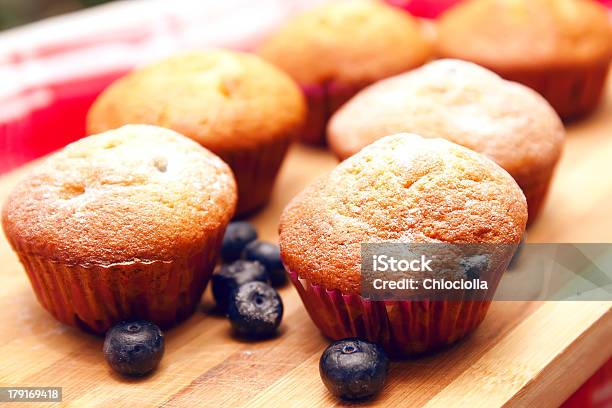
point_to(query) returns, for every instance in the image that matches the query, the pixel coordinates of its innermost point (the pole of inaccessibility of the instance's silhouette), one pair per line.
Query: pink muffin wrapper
(255, 171)
(402, 328)
(573, 92)
(323, 100)
(95, 297)
(535, 193)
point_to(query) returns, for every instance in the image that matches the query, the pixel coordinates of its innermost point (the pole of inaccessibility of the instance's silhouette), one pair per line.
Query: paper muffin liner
(95, 297)
(402, 328)
(536, 195)
(572, 92)
(323, 100)
(255, 171)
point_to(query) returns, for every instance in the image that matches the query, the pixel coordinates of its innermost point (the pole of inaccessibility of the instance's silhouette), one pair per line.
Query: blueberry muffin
(468, 105)
(402, 188)
(335, 50)
(122, 225)
(236, 105)
(560, 48)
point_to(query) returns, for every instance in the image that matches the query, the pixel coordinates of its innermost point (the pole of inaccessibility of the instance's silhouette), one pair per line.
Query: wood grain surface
(525, 353)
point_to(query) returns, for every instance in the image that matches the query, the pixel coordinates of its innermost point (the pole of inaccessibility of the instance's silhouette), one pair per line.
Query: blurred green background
(14, 13)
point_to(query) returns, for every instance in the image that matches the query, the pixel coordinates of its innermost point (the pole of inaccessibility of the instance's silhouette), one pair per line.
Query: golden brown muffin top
(462, 102)
(402, 188)
(138, 193)
(523, 34)
(348, 42)
(224, 100)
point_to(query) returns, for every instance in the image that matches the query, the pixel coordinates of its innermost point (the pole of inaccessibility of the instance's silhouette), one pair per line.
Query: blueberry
(230, 276)
(475, 266)
(237, 235)
(134, 348)
(269, 255)
(255, 310)
(353, 369)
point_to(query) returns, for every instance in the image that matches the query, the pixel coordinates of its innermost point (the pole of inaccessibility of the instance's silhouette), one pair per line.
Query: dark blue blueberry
(237, 235)
(269, 255)
(134, 348)
(255, 310)
(230, 276)
(475, 266)
(353, 369)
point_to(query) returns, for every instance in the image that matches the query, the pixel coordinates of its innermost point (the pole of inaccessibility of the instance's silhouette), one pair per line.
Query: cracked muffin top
(224, 100)
(401, 188)
(138, 193)
(347, 43)
(462, 102)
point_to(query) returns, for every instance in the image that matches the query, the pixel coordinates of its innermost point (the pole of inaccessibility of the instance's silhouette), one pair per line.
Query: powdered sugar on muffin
(466, 104)
(402, 188)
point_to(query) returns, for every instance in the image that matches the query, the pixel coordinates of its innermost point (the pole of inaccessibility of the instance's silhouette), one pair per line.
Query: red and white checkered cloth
(51, 71)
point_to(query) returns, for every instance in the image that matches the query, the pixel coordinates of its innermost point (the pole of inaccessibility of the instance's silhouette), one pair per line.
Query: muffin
(236, 105)
(560, 48)
(125, 224)
(407, 189)
(334, 51)
(468, 105)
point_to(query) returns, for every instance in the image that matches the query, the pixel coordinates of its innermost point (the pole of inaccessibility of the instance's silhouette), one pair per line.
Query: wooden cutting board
(525, 353)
